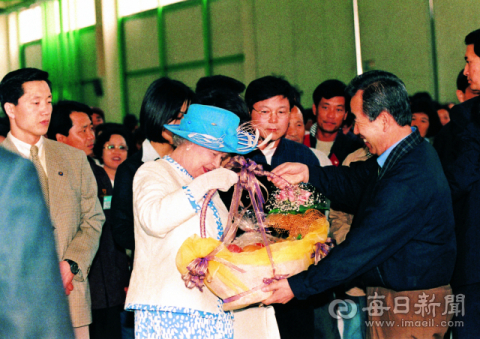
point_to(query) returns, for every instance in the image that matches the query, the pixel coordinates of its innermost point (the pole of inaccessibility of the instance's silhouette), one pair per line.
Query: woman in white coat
(168, 195)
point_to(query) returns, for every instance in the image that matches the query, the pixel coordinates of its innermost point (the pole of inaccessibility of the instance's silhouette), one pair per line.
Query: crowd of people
(116, 202)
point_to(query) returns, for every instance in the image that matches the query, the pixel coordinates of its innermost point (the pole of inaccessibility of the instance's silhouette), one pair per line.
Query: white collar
(24, 148)
(149, 153)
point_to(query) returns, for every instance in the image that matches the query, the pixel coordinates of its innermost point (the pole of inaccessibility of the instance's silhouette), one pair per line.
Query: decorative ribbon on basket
(196, 271)
(322, 249)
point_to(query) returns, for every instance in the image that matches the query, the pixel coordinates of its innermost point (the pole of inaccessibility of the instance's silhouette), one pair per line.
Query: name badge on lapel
(107, 202)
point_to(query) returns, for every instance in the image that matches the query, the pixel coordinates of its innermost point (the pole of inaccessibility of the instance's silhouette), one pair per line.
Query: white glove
(220, 178)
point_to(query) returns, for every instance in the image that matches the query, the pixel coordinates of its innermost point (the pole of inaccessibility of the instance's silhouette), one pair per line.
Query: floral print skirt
(181, 323)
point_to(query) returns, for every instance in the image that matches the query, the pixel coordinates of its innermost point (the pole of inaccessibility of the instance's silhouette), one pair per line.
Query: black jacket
(402, 236)
(447, 142)
(109, 274)
(464, 178)
(122, 201)
(287, 151)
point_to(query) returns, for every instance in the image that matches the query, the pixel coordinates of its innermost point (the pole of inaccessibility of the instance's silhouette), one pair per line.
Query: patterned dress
(166, 214)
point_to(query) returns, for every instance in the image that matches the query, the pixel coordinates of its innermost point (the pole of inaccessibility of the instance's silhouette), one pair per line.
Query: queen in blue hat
(168, 195)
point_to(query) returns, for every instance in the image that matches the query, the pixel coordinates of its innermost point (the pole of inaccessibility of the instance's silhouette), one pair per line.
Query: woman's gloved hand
(220, 178)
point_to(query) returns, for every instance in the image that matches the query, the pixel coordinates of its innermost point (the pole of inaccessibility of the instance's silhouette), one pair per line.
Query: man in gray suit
(33, 304)
(67, 181)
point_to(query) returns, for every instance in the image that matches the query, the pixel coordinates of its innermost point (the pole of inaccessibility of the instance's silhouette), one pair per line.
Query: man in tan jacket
(67, 181)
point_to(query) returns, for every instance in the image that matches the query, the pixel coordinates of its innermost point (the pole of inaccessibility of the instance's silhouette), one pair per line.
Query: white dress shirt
(24, 149)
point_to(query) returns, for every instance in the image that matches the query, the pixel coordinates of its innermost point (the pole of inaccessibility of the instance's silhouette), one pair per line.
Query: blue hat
(214, 128)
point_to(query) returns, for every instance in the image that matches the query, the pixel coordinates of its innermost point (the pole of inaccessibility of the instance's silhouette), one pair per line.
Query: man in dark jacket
(462, 170)
(464, 179)
(401, 245)
(269, 100)
(447, 142)
(331, 107)
(71, 124)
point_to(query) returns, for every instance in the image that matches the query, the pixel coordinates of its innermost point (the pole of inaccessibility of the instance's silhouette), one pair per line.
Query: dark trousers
(295, 319)
(467, 325)
(106, 323)
(326, 326)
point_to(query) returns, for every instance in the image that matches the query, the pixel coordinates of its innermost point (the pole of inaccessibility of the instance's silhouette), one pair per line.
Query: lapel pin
(60, 174)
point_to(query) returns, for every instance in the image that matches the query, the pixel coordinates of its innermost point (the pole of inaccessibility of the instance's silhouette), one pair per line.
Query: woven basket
(237, 278)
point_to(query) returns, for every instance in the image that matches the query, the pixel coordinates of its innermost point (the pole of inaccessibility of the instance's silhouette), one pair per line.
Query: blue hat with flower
(215, 128)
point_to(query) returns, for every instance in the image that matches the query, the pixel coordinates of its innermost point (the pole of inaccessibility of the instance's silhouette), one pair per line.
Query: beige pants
(412, 314)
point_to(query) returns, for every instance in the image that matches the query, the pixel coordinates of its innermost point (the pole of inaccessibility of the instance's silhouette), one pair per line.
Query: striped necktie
(41, 172)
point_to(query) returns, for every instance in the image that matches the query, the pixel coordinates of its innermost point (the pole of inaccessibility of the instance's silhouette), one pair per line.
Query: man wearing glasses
(269, 100)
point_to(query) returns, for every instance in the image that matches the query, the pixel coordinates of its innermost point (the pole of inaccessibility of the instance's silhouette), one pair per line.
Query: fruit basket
(237, 276)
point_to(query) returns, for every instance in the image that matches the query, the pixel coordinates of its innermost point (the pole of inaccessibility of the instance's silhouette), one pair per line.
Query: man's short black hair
(308, 115)
(330, 89)
(11, 86)
(225, 99)
(462, 82)
(268, 87)
(382, 91)
(99, 111)
(61, 122)
(473, 38)
(219, 82)
(162, 104)
(130, 122)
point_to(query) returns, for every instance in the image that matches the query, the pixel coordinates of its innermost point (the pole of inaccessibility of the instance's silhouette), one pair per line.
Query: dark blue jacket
(287, 151)
(122, 201)
(402, 236)
(464, 178)
(448, 140)
(109, 273)
(295, 319)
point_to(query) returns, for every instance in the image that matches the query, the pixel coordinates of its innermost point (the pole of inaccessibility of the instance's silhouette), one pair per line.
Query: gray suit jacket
(33, 300)
(76, 215)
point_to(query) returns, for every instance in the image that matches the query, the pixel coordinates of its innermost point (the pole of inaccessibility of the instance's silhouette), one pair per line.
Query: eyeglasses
(281, 113)
(120, 148)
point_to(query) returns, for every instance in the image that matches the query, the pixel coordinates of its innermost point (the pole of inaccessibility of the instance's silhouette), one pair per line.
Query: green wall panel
(323, 44)
(87, 55)
(234, 70)
(136, 89)
(226, 30)
(396, 37)
(274, 38)
(184, 35)
(91, 99)
(306, 41)
(188, 76)
(453, 21)
(141, 43)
